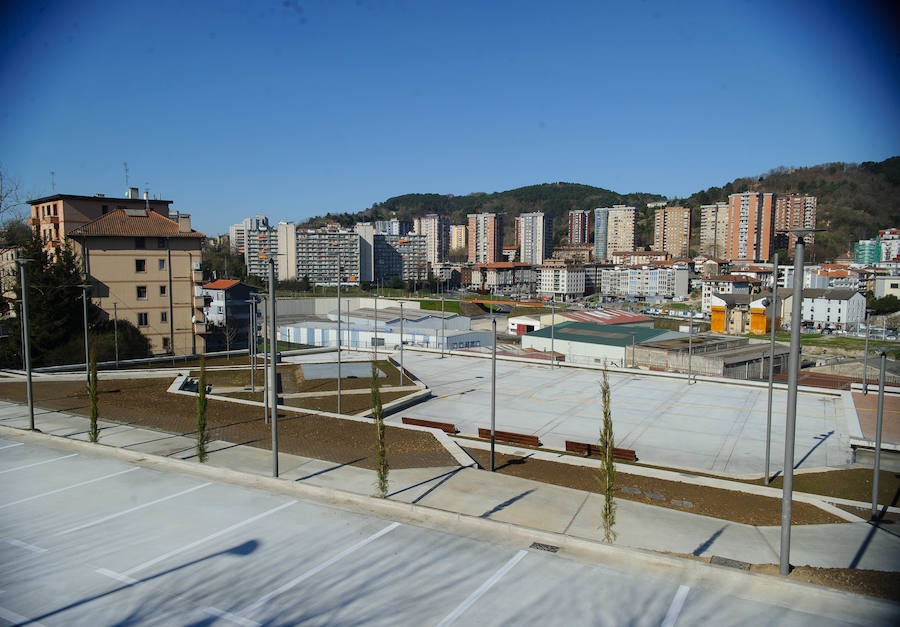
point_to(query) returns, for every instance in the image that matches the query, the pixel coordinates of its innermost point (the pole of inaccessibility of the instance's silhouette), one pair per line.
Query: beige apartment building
(620, 228)
(144, 268)
(795, 211)
(714, 229)
(751, 222)
(54, 217)
(672, 230)
(458, 236)
(485, 237)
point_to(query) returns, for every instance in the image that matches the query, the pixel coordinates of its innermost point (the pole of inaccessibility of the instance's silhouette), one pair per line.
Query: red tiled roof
(120, 223)
(728, 278)
(502, 265)
(221, 284)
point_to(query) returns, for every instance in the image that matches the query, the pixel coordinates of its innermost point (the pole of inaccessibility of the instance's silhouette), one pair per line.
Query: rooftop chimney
(184, 223)
(133, 193)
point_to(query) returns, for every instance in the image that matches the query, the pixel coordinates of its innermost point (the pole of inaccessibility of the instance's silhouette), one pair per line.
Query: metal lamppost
(690, 345)
(552, 333)
(116, 332)
(774, 304)
(26, 345)
(375, 340)
(340, 269)
(791, 413)
(251, 344)
(273, 377)
(87, 349)
(866, 357)
(265, 356)
(493, 386)
(401, 343)
(443, 333)
(878, 423)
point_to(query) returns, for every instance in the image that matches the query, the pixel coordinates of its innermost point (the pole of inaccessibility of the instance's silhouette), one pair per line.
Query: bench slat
(448, 427)
(624, 454)
(508, 436)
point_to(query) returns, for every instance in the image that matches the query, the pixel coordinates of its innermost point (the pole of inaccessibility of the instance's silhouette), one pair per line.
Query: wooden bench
(448, 427)
(583, 448)
(507, 436)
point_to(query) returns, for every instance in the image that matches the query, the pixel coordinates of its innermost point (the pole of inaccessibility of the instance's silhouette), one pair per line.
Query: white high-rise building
(535, 238)
(257, 241)
(714, 229)
(436, 230)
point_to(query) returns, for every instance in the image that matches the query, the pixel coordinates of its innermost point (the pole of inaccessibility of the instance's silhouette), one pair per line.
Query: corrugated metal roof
(118, 223)
(606, 334)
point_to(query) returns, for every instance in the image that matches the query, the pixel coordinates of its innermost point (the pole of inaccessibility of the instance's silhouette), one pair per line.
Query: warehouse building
(590, 343)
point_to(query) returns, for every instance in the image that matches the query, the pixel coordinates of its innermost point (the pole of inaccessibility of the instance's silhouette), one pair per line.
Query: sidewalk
(512, 500)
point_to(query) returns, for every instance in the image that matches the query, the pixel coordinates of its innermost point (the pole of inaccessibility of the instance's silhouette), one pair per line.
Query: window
(160, 242)
(166, 343)
(162, 264)
(139, 242)
(164, 316)
(105, 209)
(162, 290)
(142, 319)
(142, 292)
(140, 265)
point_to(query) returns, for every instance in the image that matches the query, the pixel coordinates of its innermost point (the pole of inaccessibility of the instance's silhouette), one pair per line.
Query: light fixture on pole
(26, 338)
(791, 411)
(273, 377)
(87, 348)
(879, 417)
(774, 303)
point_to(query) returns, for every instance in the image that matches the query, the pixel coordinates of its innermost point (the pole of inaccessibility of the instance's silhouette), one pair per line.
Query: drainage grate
(544, 547)
(629, 490)
(730, 563)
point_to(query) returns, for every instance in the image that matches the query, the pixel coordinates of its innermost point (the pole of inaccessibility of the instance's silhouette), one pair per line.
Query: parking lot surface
(95, 540)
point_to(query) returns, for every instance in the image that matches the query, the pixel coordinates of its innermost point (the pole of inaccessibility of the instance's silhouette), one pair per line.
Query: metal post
(273, 376)
(552, 334)
(878, 422)
(771, 365)
(401, 343)
(443, 333)
(27, 341)
(266, 361)
(116, 332)
(251, 344)
(493, 387)
(866, 359)
(339, 336)
(791, 413)
(375, 340)
(87, 346)
(690, 347)
(633, 342)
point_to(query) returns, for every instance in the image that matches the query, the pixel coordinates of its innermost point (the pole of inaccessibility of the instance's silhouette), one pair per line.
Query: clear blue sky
(294, 109)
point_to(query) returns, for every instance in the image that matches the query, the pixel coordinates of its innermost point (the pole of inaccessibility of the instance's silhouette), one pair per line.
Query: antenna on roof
(52, 182)
(147, 194)
(125, 165)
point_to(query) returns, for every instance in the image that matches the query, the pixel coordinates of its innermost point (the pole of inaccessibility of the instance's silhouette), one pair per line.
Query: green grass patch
(450, 306)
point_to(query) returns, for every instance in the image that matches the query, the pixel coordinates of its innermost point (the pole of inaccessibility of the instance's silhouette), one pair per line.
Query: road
(94, 540)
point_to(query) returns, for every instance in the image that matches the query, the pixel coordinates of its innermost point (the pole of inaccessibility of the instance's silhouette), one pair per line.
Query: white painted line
(675, 607)
(117, 576)
(472, 598)
(26, 546)
(46, 461)
(76, 485)
(322, 566)
(234, 618)
(17, 619)
(11, 445)
(131, 509)
(212, 536)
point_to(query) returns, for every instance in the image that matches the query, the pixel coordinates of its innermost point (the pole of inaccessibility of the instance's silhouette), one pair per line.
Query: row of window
(143, 319)
(142, 291)
(140, 265)
(141, 242)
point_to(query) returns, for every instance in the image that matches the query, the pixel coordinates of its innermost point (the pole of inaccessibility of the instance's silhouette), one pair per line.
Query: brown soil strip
(350, 403)
(146, 403)
(724, 504)
(873, 583)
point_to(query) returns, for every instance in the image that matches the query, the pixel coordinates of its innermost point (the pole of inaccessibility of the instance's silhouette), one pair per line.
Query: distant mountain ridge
(854, 201)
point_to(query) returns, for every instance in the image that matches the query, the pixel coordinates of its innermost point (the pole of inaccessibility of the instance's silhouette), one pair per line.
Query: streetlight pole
(339, 334)
(273, 377)
(771, 364)
(375, 340)
(878, 423)
(116, 332)
(552, 333)
(690, 345)
(265, 358)
(26, 346)
(251, 344)
(791, 413)
(866, 358)
(87, 348)
(401, 343)
(443, 334)
(493, 386)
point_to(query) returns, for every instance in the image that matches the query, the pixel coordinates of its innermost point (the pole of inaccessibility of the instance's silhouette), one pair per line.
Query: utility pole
(26, 347)
(273, 376)
(771, 365)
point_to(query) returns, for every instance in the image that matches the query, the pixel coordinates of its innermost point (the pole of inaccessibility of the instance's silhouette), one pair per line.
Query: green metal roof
(606, 334)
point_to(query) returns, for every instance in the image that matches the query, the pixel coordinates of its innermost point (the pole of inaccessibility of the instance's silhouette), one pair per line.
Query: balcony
(197, 276)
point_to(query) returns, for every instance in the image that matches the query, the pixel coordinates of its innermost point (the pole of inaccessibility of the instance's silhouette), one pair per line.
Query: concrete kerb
(825, 503)
(452, 448)
(751, 586)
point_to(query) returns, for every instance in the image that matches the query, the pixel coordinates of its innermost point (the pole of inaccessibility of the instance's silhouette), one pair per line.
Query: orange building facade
(751, 226)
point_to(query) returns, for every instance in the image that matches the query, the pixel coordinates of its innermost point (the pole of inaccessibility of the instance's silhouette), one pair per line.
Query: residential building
(316, 254)
(237, 233)
(560, 281)
(227, 314)
(579, 253)
(890, 244)
(510, 253)
(635, 257)
(535, 238)
(260, 245)
(714, 229)
(795, 211)
(505, 277)
(620, 228)
(54, 217)
(726, 284)
(646, 282)
(833, 309)
(393, 226)
(738, 314)
(601, 225)
(579, 227)
(867, 252)
(672, 230)
(144, 268)
(401, 256)
(436, 230)
(887, 285)
(750, 226)
(485, 237)
(9, 272)
(459, 236)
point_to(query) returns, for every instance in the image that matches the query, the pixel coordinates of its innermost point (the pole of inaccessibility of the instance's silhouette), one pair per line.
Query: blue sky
(295, 109)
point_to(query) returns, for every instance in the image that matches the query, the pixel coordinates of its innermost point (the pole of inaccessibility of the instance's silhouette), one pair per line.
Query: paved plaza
(706, 427)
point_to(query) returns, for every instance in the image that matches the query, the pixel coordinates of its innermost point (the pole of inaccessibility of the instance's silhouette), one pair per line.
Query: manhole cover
(544, 547)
